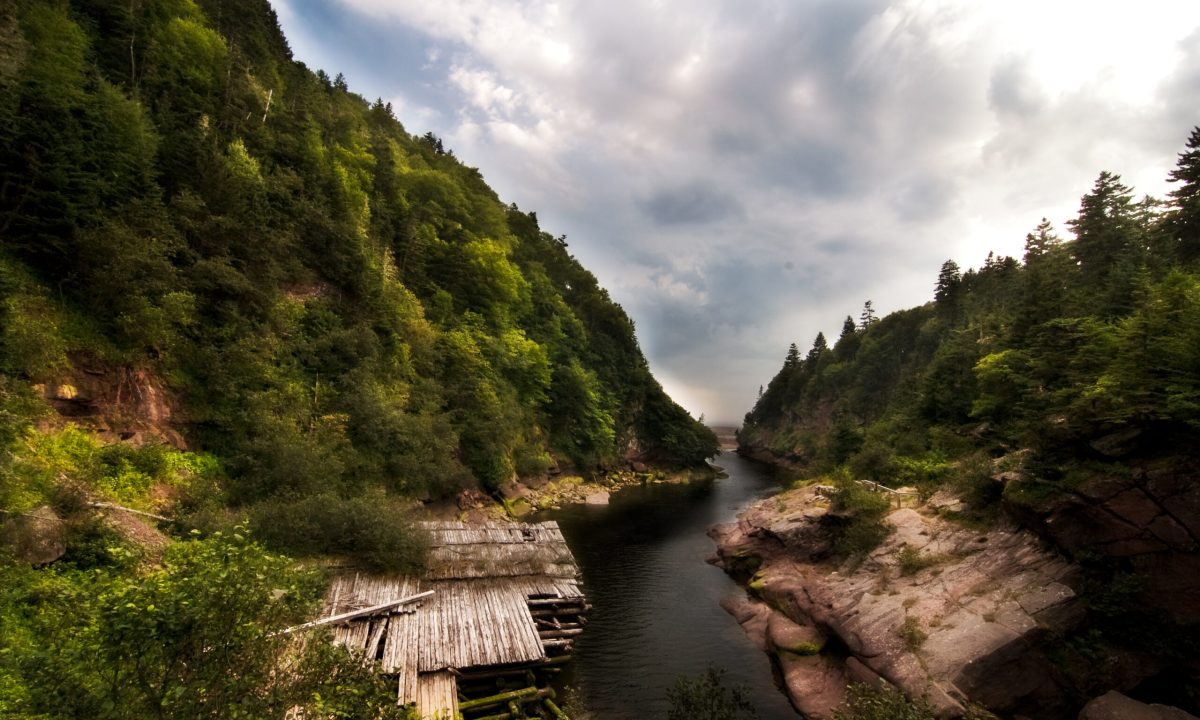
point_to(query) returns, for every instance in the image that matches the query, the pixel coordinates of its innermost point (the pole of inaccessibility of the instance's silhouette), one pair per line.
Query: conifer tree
(819, 346)
(1184, 219)
(948, 282)
(867, 319)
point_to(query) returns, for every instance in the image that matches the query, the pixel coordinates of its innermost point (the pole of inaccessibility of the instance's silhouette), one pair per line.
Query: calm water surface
(656, 610)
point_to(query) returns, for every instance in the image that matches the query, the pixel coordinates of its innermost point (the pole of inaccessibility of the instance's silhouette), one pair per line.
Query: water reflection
(656, 612)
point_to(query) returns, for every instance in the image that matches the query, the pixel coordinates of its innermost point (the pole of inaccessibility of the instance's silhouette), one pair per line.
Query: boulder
(38, 537)
(1115, 706)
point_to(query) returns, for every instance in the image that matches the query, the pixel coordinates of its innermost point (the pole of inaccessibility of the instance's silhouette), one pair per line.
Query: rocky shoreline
(966, 618)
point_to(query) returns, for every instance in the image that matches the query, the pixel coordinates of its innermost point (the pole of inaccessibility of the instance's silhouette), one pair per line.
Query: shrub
(912, 634)
(707, 698)
(371, 528)
(865, 703)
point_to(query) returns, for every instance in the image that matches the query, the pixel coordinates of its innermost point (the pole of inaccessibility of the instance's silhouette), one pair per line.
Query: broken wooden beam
(373, 610)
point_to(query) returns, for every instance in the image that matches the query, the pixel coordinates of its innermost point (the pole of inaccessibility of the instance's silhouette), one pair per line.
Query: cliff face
(965, 617)
(1144, 523)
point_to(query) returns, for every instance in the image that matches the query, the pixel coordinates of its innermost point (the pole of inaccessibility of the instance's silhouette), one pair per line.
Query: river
(656, 611)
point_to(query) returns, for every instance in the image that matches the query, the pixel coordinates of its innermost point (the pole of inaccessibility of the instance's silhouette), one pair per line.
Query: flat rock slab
(1115, 706)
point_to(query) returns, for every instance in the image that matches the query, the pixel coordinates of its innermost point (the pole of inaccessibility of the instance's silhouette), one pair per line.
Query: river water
(656, 611)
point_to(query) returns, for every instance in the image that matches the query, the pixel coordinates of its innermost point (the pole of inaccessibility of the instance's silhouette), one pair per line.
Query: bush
(370, 528)
(707, 698)
(865, 703)
(861, 512)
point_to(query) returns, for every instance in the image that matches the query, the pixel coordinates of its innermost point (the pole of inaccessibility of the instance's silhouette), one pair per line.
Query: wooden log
(365, 612)
(543, 602)
(555, 711)
(548, 634)
(552, 644)
(523, 694)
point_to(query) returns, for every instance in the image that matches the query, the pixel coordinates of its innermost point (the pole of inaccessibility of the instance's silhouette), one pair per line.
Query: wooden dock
(504, 596)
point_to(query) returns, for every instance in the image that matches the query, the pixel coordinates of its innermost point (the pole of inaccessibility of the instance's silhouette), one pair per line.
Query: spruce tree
(1183, 222)
(867, 319)
(948, 282)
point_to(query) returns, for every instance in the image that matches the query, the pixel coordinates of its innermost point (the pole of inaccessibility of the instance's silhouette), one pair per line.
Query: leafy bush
(373, 529)
(708, 698)
(859, 526)
(195, 638)
(865, 703)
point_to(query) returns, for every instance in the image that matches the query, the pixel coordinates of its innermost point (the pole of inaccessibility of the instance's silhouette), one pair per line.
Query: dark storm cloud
(697, 202)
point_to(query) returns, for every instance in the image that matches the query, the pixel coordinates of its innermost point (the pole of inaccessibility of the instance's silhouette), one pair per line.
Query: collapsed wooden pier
(505, 602)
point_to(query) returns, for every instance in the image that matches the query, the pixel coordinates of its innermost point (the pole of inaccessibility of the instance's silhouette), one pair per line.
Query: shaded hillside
(336, 304)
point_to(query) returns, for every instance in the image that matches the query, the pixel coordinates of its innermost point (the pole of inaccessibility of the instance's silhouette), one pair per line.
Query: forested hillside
(1080, 340)
(1060, 391)
(337, 305)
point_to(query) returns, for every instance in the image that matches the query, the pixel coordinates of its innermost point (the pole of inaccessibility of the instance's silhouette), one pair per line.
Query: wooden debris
(365, 612)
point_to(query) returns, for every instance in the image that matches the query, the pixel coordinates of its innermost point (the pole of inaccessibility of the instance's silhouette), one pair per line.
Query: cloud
(741, 175)
(696, 202)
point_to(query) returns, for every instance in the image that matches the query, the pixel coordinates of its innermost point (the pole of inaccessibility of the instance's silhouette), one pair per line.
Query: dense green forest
(341, 306)
(340, 319)
(1079, 341)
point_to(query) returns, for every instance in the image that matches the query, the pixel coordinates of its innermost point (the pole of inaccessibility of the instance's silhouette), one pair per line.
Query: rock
(513, 490)
(1115, 706)
(1117, 444)
(597, 498)
(970, 627)
(816, 685)
(785, 635)
(37, 537)
(753, 616)
(943, 500)
(471, 499)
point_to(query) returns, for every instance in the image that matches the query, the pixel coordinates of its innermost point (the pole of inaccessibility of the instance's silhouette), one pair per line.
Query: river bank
(965, 615)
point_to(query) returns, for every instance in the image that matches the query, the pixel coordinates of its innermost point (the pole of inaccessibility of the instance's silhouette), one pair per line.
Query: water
(656, 611)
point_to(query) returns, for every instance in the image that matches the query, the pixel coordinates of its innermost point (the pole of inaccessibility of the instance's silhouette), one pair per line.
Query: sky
(743, 174)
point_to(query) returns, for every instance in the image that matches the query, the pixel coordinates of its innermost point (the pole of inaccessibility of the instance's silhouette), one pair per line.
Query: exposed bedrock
(940, 611)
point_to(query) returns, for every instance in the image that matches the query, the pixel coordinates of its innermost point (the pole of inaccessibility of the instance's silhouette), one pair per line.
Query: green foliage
(859, 512)
(375, 529)
(912, 634)
(707, 697)
(866, 703)
(193, 638)
(74, 458)
(346, 306)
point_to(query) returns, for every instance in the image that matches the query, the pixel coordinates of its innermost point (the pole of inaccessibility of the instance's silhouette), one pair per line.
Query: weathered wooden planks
(437, 695)
(483, 579)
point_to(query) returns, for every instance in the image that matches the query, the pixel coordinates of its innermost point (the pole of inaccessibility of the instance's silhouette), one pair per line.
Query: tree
(848, 328)
(1183, 221)
(867, 319)
(819, 346)
(1108, 244)
(793, 357)
(1041, 241)
(948, 282)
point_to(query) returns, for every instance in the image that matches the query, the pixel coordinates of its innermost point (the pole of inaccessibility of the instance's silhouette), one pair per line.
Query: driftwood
(373, 610)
